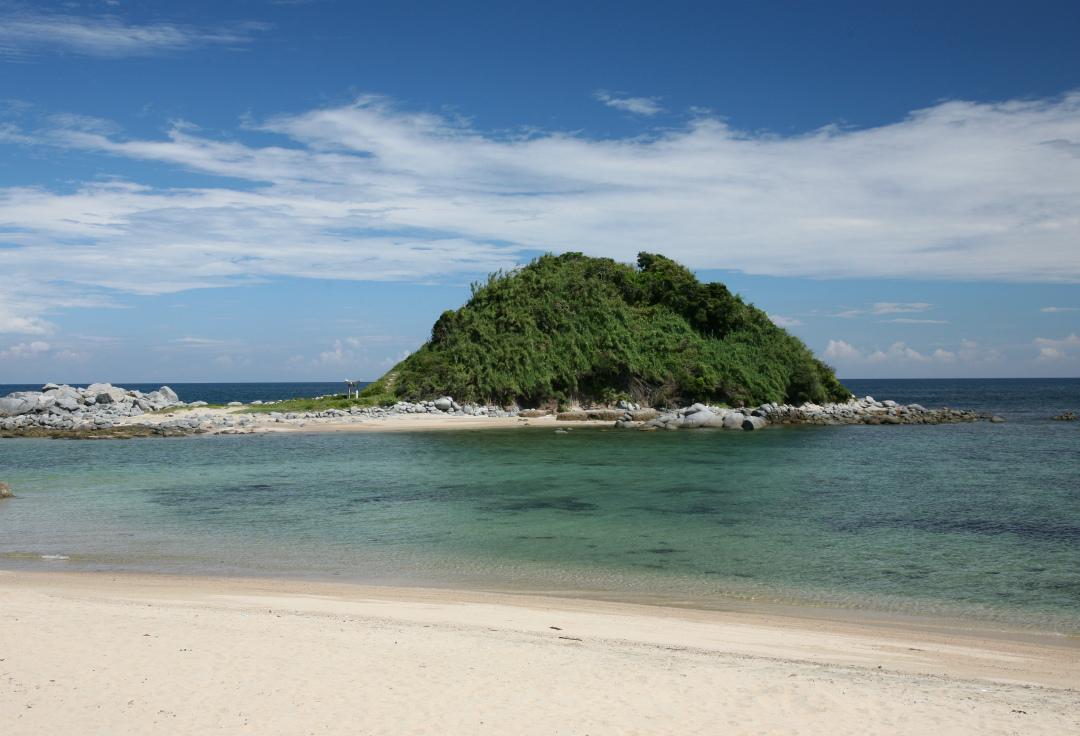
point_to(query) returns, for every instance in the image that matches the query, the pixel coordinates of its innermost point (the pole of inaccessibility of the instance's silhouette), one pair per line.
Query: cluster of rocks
(856, 411)
(196, 422)
(1066, 416)
(98, 406)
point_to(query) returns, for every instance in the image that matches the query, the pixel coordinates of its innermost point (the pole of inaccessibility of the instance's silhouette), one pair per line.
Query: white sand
(396, 422)
(120, 654)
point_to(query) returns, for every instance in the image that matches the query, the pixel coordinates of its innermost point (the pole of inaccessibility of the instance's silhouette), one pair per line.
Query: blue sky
(268, 190)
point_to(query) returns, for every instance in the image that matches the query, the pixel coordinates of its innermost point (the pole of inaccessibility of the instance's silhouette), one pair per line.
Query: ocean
(973, 521)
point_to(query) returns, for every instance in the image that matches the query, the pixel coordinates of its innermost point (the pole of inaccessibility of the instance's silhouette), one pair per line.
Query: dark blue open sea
(975, 521)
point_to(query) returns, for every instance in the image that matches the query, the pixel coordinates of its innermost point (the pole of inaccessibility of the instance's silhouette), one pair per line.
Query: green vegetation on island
(570, 327)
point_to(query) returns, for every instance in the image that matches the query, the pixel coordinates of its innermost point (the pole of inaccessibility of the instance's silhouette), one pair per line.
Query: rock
(235, 403)
(997, 419)
(734, 420)
(533, 413)
(1066, 416)
(197, 404)
(444, 403)
(169, 394)
(694, 409)
(14, 405)
(702, 418)
(5, 491)
(751, 423)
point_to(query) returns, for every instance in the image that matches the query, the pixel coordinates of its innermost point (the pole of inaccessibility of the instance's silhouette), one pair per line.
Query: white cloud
(880, 308)
(370, 192)
(899, 307)
(1053, 349)
(902, 353)
(200, 342)
(1055, 310)
(840, 350)
(781, 321)
(647, 106)
(24, 33)
(897, 352)
(11, 323)
(25, 350)
(911, 321)
(1047, 354)
(337, 356)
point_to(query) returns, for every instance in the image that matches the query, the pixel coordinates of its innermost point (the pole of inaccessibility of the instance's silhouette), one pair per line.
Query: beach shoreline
(137, 651)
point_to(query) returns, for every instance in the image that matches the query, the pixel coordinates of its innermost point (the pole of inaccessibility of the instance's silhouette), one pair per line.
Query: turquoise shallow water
(978, 521)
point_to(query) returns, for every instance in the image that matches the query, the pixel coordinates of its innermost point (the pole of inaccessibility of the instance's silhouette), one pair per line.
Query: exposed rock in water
(5, 491)
(1066, 416)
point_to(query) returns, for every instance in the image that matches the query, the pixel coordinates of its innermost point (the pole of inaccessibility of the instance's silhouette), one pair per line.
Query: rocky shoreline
(104, 411)
(866, 410)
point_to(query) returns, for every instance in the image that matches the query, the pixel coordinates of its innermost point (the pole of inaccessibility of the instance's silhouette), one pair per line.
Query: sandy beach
(129, 654)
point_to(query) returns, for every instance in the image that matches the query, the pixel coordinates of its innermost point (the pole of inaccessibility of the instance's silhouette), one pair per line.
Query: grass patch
(330, 402)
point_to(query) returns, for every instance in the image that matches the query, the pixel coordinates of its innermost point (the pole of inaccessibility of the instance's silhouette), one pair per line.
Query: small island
(566, 338)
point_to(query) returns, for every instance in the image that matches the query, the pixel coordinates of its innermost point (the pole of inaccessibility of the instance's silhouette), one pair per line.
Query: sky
(253, 190)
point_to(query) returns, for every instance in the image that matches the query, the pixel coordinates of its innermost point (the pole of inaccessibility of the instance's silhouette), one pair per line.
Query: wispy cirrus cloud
(369, 191)
(26, 32)
(647, 106)
(1056, 310)
(883, 308)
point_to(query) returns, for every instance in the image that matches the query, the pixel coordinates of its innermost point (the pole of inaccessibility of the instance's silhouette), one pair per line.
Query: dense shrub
(573, 327)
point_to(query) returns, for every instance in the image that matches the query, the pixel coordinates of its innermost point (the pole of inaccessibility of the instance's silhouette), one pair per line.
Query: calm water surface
(980, 521)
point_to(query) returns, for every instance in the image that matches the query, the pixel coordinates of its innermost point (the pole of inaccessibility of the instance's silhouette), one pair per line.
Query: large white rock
(734, 420)
(703, 418)
(15, 405)
(752, 423)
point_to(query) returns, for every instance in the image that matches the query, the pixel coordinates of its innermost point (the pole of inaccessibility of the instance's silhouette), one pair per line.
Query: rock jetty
(63, 407)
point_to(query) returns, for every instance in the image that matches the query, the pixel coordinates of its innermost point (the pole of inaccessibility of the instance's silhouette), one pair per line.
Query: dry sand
(95, 653)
